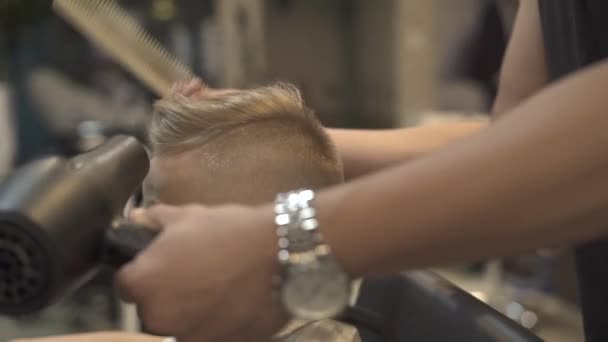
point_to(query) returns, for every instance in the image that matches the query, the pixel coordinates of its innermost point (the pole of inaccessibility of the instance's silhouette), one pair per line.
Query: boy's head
(241, 146)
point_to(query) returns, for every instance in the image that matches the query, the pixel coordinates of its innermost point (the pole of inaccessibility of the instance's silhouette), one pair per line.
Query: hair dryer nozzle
(53, 217)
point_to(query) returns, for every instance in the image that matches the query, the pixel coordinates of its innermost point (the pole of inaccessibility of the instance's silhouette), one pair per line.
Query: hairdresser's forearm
(537, 177)
(366, 151)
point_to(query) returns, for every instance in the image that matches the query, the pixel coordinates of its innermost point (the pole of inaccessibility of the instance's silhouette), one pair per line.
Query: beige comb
(119, 34)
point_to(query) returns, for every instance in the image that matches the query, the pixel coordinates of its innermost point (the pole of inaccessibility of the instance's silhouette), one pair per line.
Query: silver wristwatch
(312, 283)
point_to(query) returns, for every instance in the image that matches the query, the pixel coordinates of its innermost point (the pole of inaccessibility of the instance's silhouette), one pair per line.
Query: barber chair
(421, 306)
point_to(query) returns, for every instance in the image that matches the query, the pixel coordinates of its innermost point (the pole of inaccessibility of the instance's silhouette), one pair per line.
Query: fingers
(197, 89)
(129, 277)
(128, 280)
(156, 217)
(136, 280)
(192, 88)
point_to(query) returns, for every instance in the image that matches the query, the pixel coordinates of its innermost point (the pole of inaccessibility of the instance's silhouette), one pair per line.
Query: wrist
(338, 232)
(311, 283)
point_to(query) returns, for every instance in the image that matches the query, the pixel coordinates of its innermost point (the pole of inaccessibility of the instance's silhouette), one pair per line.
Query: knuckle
(132, 281)
(158, 321)
(128, 286)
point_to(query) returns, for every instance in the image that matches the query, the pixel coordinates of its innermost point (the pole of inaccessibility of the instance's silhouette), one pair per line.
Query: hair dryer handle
(124, 242)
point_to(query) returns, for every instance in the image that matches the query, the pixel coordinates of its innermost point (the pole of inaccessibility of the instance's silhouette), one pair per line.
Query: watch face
(316, 290)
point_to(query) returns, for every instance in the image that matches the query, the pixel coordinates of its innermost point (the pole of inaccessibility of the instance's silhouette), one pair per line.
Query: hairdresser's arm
(366, 151)
(524, 73)
(524, 70)
(537, 177)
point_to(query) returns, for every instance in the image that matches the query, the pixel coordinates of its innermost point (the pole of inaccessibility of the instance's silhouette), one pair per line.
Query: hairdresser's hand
(190, 88)
(196, 89)
(208, 276)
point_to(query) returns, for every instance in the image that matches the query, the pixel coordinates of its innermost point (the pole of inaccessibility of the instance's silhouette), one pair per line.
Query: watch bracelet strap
(297, 226)
(298, 229)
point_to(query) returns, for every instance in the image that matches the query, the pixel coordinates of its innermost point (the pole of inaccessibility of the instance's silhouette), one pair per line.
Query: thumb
(156, 217)
(128, 279)
(195, 85)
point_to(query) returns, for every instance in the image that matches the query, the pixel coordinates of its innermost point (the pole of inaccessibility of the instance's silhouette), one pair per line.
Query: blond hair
(180, 122)
(274, 118)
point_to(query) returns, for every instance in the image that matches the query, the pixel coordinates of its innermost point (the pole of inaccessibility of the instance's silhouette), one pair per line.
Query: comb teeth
(118, 33)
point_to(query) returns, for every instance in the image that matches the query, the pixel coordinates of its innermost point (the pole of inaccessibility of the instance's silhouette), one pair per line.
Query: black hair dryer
(58, 222)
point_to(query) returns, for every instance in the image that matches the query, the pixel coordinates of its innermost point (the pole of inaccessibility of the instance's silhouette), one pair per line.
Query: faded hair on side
(253, 143)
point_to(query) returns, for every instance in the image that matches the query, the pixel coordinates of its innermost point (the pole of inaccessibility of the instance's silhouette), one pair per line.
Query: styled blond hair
(180, 123)
(271, 121)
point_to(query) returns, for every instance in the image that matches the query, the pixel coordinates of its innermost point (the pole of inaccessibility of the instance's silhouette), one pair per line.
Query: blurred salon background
(359, 63)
